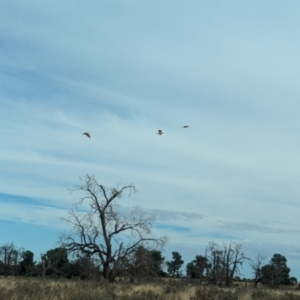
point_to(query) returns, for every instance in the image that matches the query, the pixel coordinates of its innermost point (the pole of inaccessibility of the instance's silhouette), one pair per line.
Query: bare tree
(234, 258)
(10, 258)
(100, 229)
(256, 266)
(224, 262)
(215, 268)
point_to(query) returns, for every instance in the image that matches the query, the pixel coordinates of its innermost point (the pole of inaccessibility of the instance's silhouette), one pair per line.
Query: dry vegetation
(38, 289)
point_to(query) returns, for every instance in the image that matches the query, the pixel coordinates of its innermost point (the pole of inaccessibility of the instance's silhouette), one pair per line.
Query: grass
(37, 289)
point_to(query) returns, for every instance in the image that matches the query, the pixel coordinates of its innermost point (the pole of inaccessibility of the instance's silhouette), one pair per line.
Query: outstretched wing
(87, 134)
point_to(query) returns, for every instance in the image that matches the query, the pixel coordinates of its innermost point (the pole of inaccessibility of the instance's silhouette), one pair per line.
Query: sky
(121, 70)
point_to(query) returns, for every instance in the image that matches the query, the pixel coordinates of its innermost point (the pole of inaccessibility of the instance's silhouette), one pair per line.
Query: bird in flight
(160, 132)
(186, 126)
(87, 134)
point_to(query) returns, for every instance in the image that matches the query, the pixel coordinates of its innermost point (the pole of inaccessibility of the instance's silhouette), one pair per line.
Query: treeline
(220, 266)
(106, 242)
(56, 263)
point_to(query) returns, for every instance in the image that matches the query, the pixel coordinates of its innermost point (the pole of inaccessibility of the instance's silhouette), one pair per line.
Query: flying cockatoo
(87, 134)
(160, 132)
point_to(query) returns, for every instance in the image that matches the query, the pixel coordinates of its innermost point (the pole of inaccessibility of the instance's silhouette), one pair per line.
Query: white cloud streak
(124, 71)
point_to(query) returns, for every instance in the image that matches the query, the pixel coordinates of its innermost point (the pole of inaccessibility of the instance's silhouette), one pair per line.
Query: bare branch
(102, 230)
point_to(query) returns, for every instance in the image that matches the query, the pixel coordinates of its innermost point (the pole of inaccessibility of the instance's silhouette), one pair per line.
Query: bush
(208, 293)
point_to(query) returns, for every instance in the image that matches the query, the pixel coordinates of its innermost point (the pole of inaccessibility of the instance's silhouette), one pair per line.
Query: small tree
(157, 262)
(276, 272)
(144, 264)
(175, 264)
(55, 262)
(27, 265)
(196, 268)
(83, 266)
(293, 280)
(100, 229)
(256, 266)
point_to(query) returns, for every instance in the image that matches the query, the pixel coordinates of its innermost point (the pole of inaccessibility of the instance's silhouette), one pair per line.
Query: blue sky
(121, 70)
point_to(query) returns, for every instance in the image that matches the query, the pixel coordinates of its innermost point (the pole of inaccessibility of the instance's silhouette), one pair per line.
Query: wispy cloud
(256, 227)
(122, 74)
(36, 214)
